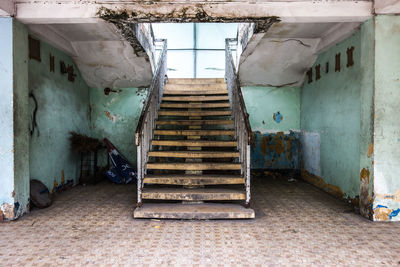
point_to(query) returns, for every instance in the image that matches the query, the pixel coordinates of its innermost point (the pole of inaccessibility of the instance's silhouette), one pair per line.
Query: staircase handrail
(240, 116)
(147, 120)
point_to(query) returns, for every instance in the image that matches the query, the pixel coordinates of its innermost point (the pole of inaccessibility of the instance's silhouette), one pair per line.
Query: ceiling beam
(337, 34)
(41, 12)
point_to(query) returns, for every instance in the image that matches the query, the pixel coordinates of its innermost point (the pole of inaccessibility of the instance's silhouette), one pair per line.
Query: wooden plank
(194, 166)
(195, 132)
(195, 122)
(199, 143)
(185, 179)
(204, 211)
(194, 87)
(185, 113)
(194, 154)
(195, 98)
(196, 92)
(192, 194)
(195, 105)
(195, 81)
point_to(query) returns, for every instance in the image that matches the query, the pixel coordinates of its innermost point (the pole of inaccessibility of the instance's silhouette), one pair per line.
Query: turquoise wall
(63, 106)
(6, 107)
(330, 119)
(387, 123)
(115, 117)
(14, 142)
(274, 115)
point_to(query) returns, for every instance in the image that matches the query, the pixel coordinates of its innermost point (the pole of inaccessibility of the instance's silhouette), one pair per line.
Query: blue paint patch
(381, 206)
(394, 213)
(275, 150)
(278, 117)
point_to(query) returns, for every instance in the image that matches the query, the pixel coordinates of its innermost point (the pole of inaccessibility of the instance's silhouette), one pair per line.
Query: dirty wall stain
(275, 150)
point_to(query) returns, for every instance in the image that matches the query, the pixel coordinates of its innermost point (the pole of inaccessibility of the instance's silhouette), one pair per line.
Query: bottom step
(205, 211)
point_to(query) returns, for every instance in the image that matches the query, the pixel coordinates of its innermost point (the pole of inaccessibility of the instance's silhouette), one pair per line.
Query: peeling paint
(7, 211)
(112, 118)
(275, 150)
(370, 150)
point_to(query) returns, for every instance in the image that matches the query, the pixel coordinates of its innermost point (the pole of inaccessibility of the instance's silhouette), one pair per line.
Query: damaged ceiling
(279, 55)
(282, 55)
(103, 56)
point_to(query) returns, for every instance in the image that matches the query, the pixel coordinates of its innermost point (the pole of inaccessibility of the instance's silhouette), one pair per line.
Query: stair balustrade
(147, 120)
(239, 114)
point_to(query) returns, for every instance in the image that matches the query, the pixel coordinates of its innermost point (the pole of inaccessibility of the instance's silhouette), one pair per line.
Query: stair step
(195, 98)
(195, 80)
(205, 211)
(196, 92)
(195, 132)
(194, 154)
(195, 105)
(192, 194)
(195, 87)
(198, 143)
(195, 122)
(185, 179)
(193, 166)
(185, 113)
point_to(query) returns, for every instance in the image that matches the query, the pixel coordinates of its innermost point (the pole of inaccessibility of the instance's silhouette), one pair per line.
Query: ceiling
(103, 56)
(286, 51)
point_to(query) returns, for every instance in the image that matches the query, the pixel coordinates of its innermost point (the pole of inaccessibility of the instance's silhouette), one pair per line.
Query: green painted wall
(115, 117)
(63, 106)
(263, 102)
(275, 142)
(387, 122)
(14, 141)
(330, 112)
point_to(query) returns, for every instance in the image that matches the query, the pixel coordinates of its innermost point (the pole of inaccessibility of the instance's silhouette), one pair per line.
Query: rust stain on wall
(395, 197)
(320, 183)
(370, 150)
(109, 116)
(365, 198)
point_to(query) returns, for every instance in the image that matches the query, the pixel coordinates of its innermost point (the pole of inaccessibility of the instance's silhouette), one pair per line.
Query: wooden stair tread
(195, 80)
(196, 92)
(195, 105)
(193, 194)
(186, 113)
(195, 87)
(195, 132)
(195, 98)
(187, 179)
(194, 154)
(204, 211)
(193, 166)
(194, 122)
(199, 143)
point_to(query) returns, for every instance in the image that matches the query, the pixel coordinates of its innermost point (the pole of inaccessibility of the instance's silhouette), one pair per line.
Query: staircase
(190, 162)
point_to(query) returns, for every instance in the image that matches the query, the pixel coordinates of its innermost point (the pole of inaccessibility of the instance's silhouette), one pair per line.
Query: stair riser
(203, 105)
(189, 81)
(193, 182)
(193, 155)
(196, 92)
(192, 167)
(194, 113)
(196, 122)
(193, 143)
(196, 87)
(193, 133)
(194, 196)
(194, 98)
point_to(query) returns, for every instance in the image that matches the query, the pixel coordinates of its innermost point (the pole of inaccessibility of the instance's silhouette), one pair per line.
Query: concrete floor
(296, 224)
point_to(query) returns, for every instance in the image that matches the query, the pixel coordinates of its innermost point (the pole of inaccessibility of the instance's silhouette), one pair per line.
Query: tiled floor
(296, 224)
